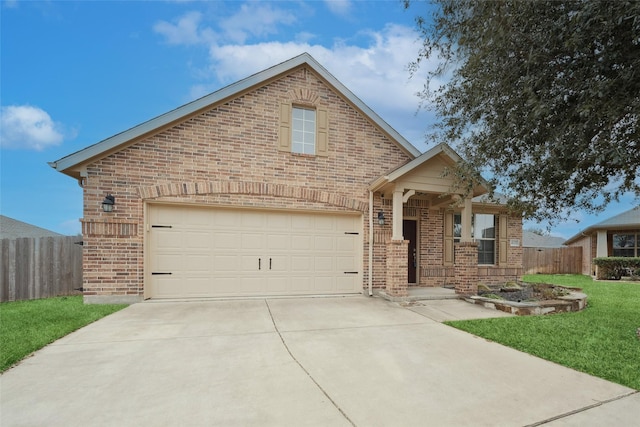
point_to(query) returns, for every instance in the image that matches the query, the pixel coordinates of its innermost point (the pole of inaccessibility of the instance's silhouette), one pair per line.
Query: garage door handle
(259, 262)
(269, 263)
(350, 272)
(155, 273)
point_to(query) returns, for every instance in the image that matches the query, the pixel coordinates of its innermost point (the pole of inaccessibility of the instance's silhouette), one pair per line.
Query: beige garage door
(203, 252)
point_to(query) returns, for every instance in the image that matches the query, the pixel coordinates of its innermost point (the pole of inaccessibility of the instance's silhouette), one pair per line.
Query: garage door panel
(252, 241)
(252, 285)
(301, 242)
(279, 285)
(198, 263)
(171, 261)
(344, 283)
(167, 240)
(278, 241)
(346, 244)
(226, 263)
(250, 263)
(277, 222)
(346, 263)
(323, 264)
(198, 218)
(324, 243)
(226, 240)
(324, 284)
(302, 222)
(301, 263)
(226, 252)
(225, 219)
(278, 264)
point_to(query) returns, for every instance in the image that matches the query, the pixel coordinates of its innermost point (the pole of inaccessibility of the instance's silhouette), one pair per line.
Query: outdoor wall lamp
(108, 202)
(381, 218)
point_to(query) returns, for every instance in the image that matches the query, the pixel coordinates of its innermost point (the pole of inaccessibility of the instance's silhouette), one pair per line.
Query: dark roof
(533, 240)
(626, 220)
(12, 229)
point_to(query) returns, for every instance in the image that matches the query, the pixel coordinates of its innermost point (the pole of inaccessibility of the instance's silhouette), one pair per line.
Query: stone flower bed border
(575, 301)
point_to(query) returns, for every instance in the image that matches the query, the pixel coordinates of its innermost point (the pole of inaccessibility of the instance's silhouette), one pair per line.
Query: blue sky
(75, 73)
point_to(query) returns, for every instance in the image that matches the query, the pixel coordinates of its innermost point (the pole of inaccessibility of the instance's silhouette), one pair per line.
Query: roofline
(380, 182)
(101, 148)
(587, 231)
(602, 225)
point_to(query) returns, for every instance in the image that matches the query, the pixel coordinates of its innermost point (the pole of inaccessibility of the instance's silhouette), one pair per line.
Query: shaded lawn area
(600, 340)
(27, 326)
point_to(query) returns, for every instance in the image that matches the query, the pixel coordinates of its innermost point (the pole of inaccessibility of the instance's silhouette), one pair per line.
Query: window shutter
(448, 239)
(503, 245)
(284, 142)
(322, 132)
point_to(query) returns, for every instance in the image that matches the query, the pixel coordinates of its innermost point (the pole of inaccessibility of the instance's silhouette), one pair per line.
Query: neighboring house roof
(73, 163)
(12, 229)
(626, 220)
(533, 240)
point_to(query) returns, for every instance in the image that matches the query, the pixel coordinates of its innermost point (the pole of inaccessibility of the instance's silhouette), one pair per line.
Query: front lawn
(600, 340)
(27, 326)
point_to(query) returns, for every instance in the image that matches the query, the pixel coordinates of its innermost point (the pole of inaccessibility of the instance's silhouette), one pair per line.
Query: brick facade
(466, 268)
(396, 262)
(228, 155)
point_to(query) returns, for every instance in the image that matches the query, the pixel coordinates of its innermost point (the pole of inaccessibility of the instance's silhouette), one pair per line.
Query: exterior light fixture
(381, 218)
(108, 202)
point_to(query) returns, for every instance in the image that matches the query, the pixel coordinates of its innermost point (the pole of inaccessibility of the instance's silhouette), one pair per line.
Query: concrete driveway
(294, 362)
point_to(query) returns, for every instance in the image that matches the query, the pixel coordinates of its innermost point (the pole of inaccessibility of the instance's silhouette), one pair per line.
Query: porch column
(397, 268)
(466, 268)
(397, 214)
(601, 248)
(466, 217)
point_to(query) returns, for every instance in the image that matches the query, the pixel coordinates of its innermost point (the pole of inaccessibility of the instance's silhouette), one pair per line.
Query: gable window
(483, 230)
(303, 131)
(626, 245)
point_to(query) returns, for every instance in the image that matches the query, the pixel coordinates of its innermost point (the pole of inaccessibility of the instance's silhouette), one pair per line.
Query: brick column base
(397, 273)
(466, 268)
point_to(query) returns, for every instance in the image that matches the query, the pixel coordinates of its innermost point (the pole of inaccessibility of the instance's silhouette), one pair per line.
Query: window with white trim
(303, 130)
(485, 235)
(483, 230)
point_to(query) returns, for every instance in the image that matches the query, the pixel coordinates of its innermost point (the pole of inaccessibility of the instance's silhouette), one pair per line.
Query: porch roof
(425, 173)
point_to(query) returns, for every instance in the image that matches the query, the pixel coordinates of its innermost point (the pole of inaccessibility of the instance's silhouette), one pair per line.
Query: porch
(426, 232)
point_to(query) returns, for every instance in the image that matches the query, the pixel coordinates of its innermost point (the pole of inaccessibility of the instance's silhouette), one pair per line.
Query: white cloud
(185, 31)
(28, 127)
(255, 19)
(339, 7)
(376, 71)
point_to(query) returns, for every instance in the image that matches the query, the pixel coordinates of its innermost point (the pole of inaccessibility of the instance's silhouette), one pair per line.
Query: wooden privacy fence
(40, 267)
(567, 260)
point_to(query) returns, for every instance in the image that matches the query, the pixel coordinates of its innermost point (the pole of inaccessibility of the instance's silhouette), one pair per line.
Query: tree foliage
(542, 95)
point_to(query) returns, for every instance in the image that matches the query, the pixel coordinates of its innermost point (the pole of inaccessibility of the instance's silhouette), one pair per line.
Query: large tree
(544, 96)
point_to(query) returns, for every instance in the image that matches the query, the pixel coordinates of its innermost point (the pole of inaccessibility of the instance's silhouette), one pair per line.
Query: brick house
(618, 236)
(284, 183)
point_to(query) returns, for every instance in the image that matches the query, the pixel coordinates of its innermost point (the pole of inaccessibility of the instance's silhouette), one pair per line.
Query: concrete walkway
(294, 362)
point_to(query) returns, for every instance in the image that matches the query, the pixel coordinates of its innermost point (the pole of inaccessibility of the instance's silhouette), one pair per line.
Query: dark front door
(409, 230)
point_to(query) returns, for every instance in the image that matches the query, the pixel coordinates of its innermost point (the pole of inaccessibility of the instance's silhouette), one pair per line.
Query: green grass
(600, 340)
(26, 326)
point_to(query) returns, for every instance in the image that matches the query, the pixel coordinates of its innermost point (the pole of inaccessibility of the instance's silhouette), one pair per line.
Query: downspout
(370, 243)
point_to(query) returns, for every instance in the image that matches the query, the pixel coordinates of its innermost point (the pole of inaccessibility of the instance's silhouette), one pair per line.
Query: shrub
(616, 267)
